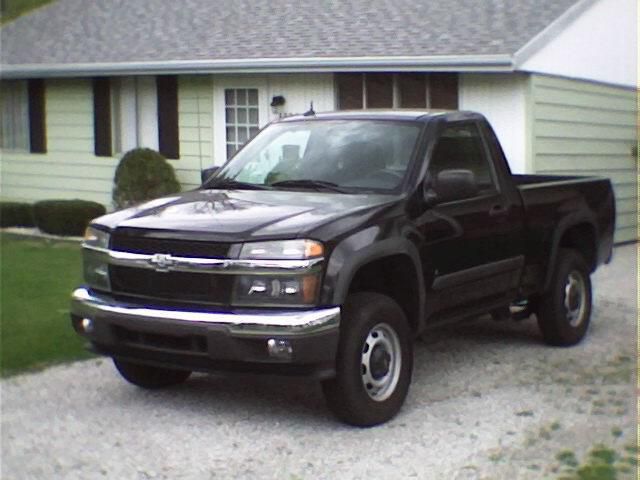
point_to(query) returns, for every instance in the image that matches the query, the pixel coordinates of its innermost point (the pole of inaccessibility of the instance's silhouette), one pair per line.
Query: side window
(461, 147)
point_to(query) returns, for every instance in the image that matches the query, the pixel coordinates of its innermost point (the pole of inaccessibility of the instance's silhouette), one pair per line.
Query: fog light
(87, 325)
(279, 348)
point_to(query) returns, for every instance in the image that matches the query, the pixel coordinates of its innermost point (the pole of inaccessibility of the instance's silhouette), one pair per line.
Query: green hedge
(143, 174)
(16, 214)
(66, 217)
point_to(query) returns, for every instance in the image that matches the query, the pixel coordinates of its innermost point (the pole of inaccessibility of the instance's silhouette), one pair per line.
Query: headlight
(282, 250)
(96, 262)
(284, 289)
(271, 290)
(96, 238)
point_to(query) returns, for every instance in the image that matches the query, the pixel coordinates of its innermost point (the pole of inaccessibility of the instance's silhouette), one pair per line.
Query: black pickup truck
(328, 242)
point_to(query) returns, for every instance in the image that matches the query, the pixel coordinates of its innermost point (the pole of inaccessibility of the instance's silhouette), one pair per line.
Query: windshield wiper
(235, 184)
(307, 183)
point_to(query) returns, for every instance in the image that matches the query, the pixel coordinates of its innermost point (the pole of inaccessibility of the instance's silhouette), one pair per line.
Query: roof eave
(458, 63)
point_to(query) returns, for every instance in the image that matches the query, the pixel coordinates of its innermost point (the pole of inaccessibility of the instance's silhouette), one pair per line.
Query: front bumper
(210, 341)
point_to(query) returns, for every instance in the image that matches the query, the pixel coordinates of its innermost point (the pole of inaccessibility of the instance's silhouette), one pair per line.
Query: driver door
(468, 253)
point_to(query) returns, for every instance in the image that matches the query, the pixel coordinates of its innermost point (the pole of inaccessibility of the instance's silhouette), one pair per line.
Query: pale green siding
(195, 122)
(588, 129)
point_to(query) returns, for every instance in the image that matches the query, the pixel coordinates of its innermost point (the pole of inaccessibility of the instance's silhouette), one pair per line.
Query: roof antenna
(311, 112)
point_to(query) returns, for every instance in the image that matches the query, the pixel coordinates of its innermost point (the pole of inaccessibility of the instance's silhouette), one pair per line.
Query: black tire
(370, 319)
(149, 377)
(564, 311)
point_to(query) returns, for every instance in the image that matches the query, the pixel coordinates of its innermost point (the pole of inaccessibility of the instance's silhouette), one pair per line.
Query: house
(85, 80)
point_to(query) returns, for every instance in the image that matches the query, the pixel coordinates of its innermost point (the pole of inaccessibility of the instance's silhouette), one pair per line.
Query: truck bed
(551, 201)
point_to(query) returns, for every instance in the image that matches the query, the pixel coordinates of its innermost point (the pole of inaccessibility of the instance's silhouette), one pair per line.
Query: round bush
(143, 174)
(66, 217)
(16, 214)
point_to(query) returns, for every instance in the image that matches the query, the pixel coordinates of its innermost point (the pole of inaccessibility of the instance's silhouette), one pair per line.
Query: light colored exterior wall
(299, 91)
(600, 44)
(588, 129)
(502, 98)
(69, 169)
(195, 123)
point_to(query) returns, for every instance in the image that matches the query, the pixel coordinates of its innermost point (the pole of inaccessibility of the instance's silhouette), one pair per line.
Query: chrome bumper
(85, 304)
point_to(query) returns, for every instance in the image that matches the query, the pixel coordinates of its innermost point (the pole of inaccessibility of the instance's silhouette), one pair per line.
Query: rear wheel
(374, 363)
(564, 311)
(150, 377)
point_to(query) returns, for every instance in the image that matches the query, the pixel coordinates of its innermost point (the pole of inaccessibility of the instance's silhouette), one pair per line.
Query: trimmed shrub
(66, 217)
(16, 214)
(143, 174)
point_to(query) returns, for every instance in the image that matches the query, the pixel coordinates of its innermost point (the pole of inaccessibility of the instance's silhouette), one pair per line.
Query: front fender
(359, 249)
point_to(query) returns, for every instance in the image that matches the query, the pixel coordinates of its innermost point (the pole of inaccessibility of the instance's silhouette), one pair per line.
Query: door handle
(498, 211)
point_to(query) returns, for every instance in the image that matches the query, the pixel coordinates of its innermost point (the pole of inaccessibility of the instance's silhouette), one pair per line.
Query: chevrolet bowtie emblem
(162, 262)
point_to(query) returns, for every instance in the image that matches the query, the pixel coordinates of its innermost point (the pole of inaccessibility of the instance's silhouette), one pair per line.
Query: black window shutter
(102, 117)
(37, 128)
(167, 87)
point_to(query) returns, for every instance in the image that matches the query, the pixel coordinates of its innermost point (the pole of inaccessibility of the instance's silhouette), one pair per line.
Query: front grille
(180, 286)
(126, 240)
(185, 343)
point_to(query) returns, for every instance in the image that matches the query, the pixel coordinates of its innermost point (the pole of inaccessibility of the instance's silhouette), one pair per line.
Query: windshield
(343, 154)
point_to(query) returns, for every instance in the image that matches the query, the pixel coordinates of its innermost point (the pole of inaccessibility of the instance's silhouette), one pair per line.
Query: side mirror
(450, 185)
(207, 172)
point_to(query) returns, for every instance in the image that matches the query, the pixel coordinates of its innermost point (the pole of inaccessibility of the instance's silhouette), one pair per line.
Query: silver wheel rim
(575, 298)
(381, 362)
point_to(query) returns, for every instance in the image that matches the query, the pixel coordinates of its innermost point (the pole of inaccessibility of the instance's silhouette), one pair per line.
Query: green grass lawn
(11, 9)
(37, 277)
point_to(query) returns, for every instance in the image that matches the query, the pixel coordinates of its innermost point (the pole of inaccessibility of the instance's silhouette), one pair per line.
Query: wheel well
(394, 276)
(582, 238)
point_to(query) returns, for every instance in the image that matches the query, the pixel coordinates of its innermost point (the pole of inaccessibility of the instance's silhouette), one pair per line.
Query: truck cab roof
(414, 115)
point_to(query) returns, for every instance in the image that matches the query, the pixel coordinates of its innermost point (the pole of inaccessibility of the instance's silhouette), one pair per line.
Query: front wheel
(149, 377)
(374, 363)
(564, 310)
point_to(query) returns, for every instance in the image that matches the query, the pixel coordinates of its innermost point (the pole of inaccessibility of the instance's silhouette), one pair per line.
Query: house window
(22, 126)
(136, 112)
(397, 90)
(241, 117)
(350, 91)
(413, 90)
(14, 130)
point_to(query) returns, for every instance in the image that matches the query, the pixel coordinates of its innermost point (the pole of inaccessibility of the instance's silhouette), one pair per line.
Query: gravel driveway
(488, 400)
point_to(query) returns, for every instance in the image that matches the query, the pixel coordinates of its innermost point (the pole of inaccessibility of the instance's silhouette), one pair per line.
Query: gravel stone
(488, 400)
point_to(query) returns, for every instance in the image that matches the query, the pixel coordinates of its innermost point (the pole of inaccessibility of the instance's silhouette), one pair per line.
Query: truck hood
(242, 215)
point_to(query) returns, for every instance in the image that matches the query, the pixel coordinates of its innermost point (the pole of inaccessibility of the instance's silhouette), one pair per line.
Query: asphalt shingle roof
(96, 31)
